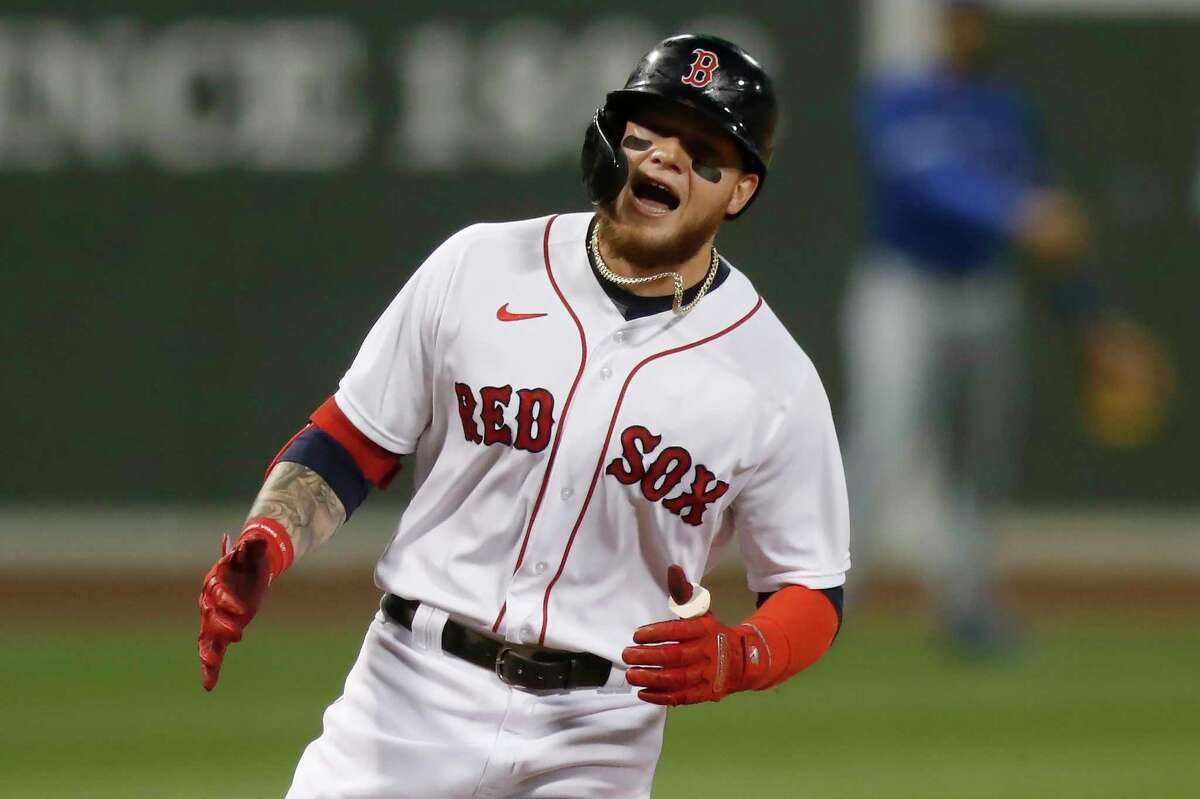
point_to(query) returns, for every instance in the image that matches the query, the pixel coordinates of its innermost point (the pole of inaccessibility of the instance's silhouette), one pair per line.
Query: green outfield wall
(204, 207)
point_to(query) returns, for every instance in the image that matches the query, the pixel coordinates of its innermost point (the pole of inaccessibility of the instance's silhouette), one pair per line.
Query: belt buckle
(524, 669)
(501, 664)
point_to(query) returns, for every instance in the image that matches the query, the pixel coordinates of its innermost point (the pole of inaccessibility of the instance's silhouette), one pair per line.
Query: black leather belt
(519, 665)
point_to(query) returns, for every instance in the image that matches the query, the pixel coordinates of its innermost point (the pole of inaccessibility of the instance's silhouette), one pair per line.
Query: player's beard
(654, 250)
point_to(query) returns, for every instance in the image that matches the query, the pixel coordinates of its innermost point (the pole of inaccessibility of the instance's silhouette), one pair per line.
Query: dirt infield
(335, 597)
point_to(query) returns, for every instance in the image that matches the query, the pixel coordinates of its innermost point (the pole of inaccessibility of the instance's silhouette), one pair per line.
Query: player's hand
(686, 661)
(233, 590)
(1051, 226)
(1128, 382)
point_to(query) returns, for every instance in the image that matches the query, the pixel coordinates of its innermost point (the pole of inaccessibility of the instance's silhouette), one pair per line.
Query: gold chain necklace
(621, 280)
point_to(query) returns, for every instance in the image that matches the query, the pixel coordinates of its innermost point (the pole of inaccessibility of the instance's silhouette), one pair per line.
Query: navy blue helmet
(709, 75)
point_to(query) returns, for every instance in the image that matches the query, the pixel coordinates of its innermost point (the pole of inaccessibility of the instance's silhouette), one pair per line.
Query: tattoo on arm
(300, 500)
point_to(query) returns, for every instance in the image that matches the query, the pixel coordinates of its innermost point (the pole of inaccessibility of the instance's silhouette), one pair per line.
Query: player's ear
(743, 190)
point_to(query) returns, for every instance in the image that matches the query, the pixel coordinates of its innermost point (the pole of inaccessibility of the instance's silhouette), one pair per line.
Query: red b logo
(702, 68)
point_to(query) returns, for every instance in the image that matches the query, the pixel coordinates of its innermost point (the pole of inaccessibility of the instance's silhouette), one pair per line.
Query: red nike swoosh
(505, 315)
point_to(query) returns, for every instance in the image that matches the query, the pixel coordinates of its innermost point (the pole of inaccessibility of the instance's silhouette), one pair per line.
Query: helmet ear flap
(605, 168)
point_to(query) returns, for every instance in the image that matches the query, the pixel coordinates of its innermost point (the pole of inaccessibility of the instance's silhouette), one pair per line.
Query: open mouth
(655, 197)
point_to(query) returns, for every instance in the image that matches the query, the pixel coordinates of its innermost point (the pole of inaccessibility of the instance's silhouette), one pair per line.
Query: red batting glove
(694, 660)
(233, 589)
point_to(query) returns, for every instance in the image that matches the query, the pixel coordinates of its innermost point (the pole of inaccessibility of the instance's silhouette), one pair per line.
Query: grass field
(1094, 707)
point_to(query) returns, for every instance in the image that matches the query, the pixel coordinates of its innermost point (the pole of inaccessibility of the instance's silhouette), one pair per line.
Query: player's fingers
(224, 599)
(664, 655)
(211, 651)
(697, 694)
(675, 630)
(691, 696)
(666, 698)
(222, 627)
(227, 628)
(666, 679)
(212, 583)
(212, 655)
(217, 623)
(687, 696)
(209, 674)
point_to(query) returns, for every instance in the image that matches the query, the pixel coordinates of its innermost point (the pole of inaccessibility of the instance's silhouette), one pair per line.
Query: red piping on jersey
(562, 418)
(604, 449)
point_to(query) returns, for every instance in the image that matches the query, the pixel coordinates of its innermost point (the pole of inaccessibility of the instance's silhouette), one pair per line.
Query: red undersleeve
(798, 625)
(377, 464)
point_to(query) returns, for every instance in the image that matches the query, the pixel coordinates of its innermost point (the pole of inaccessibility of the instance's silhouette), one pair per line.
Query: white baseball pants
(416, 722)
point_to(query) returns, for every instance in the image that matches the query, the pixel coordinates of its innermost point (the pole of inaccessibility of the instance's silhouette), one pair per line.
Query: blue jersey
(948, 159)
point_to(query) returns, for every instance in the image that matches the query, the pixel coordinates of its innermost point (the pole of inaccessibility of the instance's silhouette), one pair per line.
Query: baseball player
(933, 313)
(596, 404)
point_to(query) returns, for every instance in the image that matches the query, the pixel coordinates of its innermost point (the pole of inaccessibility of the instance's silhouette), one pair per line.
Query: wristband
(281, 553)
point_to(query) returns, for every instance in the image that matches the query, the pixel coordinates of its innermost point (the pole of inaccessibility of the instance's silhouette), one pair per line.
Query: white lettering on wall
(292, 94)
(434, 128)
(304, 106)
(62, 92)
(188, 98)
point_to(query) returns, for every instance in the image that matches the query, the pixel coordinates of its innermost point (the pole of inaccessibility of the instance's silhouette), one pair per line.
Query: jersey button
(605, 372)
(540, 567)
(567, 493)
(619, 336)
(526, 633)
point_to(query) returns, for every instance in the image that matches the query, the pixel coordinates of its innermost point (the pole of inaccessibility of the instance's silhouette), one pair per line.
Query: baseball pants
(416, 722)
(935, 376)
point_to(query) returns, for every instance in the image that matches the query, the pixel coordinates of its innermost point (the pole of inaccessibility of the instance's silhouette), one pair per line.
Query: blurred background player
(933, 316)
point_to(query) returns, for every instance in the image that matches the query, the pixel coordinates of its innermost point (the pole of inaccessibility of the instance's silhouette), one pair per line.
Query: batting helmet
(709, 75)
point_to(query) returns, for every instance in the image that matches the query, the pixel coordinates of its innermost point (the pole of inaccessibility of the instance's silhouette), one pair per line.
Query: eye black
(710, 173)
(632, 142)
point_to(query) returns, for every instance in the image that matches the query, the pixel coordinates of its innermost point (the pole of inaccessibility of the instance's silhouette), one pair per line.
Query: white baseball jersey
(565, 457)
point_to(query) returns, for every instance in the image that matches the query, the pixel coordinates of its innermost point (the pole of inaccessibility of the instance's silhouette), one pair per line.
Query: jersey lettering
(700, 497)
(534, 419)
(536, 410)
(629, 468)
(701, 73)
(466, 412)
(665, 474)
(495, 400)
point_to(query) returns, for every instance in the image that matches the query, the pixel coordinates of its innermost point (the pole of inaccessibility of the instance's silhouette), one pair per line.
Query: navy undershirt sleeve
(836, 597)
(321, 452)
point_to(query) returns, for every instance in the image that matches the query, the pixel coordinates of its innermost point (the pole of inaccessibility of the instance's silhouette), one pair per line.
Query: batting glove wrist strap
(281, 552)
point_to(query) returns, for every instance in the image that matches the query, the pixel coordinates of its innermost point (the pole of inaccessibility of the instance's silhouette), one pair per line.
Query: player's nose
(668, 153)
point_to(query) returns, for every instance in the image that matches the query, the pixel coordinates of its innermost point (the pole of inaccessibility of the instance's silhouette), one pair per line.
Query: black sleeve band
(320, 452)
